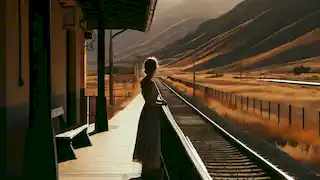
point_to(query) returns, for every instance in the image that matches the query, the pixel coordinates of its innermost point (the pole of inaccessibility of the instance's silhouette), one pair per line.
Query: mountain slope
(265, 26)
(304, 47)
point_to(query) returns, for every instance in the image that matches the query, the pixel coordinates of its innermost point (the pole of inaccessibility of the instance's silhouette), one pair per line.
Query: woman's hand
(164, 102)
(161, 102)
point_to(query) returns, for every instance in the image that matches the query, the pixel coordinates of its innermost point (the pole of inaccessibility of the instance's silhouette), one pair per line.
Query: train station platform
(110, 156)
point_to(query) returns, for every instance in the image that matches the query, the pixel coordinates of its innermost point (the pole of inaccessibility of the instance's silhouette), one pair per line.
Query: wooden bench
(68, 139)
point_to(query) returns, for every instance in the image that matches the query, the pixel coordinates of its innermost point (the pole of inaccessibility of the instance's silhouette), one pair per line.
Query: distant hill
(172, 21)
(252, 35)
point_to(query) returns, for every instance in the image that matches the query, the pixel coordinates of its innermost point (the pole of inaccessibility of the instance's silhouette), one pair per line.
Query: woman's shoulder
(146, 82)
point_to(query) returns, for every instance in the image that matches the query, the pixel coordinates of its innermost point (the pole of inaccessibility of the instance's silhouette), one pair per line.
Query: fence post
(230, 98)
(290, 117)
(303, 118)
(241, 102)
(261, 107)
(254, 104)
(247, 103)
(319, 123)
(278, 113)
(269, 109)
(235, 101)
(227, 96)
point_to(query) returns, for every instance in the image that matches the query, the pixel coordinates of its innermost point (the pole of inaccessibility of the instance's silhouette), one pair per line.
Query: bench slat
(57, 112)
(77, 131)
(72, 133)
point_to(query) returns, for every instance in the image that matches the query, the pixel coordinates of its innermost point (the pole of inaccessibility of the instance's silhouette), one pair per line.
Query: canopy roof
(120, 14)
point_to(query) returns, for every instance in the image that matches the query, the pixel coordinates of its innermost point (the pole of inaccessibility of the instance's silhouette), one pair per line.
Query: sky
(168, 14)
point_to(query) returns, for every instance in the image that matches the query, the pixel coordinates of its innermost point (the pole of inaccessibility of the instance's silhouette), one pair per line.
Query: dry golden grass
(284, 93)
(264, 127)
(309, 38)
(124, 92)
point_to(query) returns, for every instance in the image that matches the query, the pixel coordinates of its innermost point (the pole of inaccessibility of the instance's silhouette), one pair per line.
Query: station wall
(14, 99)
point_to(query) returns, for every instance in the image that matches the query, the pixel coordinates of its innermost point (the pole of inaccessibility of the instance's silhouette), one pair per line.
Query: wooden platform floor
(110, 156)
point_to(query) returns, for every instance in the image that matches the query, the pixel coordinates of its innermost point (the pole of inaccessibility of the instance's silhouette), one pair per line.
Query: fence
(306, 118)
(91, 106)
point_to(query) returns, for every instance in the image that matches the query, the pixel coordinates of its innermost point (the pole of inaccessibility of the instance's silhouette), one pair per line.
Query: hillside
(260, 32)
(172, 21)
(303, 47)
(287, 67)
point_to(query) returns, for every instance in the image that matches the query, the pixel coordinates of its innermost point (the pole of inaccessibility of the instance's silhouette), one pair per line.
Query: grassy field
(283, 93)
(301, 144)
(124, 92)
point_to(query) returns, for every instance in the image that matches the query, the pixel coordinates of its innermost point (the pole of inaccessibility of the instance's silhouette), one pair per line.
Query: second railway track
(224, 156)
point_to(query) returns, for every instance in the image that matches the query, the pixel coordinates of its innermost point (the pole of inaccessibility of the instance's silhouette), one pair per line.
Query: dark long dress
(148, 143)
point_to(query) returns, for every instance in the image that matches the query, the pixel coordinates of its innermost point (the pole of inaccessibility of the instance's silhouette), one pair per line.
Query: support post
(101, 116)
(3, 71)
(40, 150)
(111, 69)
(111, 81)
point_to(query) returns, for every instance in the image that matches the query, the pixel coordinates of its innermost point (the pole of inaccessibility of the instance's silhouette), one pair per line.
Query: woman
(148, 146)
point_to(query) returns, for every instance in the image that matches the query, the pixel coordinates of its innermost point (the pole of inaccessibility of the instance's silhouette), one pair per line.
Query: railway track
(224, 156)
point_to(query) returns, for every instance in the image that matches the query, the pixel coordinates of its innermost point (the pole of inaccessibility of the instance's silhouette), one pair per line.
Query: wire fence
(305, 118)
(91, 102)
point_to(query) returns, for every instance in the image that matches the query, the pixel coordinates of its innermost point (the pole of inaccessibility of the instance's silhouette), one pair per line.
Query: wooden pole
(111, 69)
(101, 116)
(194, 75)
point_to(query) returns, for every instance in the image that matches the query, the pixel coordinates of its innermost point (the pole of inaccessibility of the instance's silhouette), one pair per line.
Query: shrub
(301, 70)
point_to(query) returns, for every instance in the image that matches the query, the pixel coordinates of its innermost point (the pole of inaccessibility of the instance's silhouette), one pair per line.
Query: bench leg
(81, 140)
(65, 150)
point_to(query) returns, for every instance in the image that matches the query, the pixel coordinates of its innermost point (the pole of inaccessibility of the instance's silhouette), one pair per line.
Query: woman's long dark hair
(150, 65)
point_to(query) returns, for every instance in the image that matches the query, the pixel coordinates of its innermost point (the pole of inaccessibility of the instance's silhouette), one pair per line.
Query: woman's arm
(147, 93)
(150, 94)
(161, 101)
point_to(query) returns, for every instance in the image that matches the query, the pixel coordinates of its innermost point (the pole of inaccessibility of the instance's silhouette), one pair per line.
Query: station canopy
(120, 14)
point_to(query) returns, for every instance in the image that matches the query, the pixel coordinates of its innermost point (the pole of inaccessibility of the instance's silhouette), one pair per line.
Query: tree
(301, 69)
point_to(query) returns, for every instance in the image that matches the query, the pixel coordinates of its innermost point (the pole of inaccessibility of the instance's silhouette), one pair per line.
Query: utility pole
(194, 73)
(111, 64)
(101, 114)
(138, 68)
